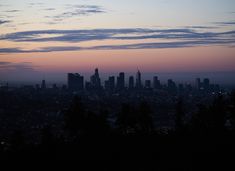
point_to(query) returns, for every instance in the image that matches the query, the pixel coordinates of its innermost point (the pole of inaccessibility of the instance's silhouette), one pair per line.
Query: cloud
(202, 27)
(161, 45)
(225, 23)
(36, 4)
(12, 11)
(10, 66)
(77, 10)
(4, 5)
(74, 36)
(10, 50)
(4, 21)
(4, 63)
(157, 45)
(18, 71)
(49, 9)
(160, 38)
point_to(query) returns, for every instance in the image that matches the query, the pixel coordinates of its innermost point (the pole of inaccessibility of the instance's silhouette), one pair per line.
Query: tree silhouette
(232, 109)
(47, 137)
(219, 114)
(126, 121)
(135, 120)
(145, 120)
(179, 122)
(210, 119)
(17, 141)
(94, 124)
(75, 116)
(201, 120)
(103, 123)
(81, 121)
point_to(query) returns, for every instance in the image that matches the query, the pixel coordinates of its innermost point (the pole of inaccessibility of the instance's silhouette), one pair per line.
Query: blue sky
(128, 13)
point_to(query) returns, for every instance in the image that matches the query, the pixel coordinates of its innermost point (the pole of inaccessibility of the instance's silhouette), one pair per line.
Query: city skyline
(46, 38)
(179, 78)
(76, 83)
(119, 82)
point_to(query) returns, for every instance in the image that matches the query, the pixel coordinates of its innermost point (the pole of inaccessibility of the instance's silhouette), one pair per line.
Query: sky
(47, 39)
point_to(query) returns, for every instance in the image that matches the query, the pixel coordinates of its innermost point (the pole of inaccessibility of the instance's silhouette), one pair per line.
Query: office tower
(64, 87)
(170, 83)
(181, 88)
(75, 81)
(171, 86)
(217, 88)
(43, 85)
(121, 81)
(95, 80)
(156, 83)
(148, 84)
(198, 83)
(131, 82)
(106, 85)
(206, 84)
(138, 80)
(88, 85)
(54, 87)
(37, 86)
(112, 83)
(188, 87)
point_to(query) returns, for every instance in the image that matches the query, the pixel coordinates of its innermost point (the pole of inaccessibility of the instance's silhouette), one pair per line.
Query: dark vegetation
(131, 140)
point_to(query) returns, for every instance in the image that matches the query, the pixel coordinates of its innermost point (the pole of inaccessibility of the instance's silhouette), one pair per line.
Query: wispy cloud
(173, 38)
(225, 23)
(36, 4)
(157, 45)
(76, 11)
(4, 21)
(74, 36)
(49, 9)
(10, 66)
(202, 27)
(10, 50)
(12, 11)
(4, 63)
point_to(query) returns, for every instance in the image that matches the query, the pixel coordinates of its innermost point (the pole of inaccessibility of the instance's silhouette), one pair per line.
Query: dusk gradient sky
(39, 38)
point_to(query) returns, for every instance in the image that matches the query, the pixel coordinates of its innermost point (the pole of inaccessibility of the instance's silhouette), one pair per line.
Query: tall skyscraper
(198, 83)
(181, 88)
(75, 81)
(131, 82)
(156, 83)
(88, 85)
(110, 84)
(37, 86)
(106, 85)
(95, 80)
(138, 80)
(148, 84)
(54, 87)
(121, 81)
(206, 84)
(43, 85)
(171, 86)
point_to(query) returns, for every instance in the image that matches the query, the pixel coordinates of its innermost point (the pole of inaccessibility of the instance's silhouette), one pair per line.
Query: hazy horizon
(222, 78)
